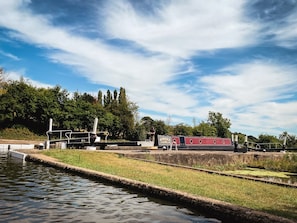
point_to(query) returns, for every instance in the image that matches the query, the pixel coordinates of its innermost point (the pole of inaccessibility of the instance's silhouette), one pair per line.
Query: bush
(19, 132)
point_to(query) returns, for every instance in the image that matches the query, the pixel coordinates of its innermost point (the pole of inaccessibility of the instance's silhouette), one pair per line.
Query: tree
(241, 137)
(100, 97)
(133, 108)
(138, 133)
(122, 97)
(105, 121)
(221, 124)
(182, 129)
(291, 141)
(265, 138)
(145, 126)
(115, 95)
(116, 128)
(125, 114)
(50, 103)
(18, 105)
(147, 122)
(88, 98)
(59, 100)
(107, 99)
(24, 105)
(160, 127)
(204, 129)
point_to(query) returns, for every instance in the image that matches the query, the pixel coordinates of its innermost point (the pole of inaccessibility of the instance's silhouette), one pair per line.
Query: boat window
(182, 140)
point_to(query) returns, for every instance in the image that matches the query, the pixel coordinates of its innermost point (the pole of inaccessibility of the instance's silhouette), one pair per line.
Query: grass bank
(20, 133)
(285, 163)
(268, 198)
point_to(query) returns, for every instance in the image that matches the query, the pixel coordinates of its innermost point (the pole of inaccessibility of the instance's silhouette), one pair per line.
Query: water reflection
(34, 193)
(291, 179)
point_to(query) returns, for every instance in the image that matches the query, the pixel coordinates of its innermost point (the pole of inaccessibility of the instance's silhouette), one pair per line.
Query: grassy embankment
(286, 163)
(258, 196)
(20, 134)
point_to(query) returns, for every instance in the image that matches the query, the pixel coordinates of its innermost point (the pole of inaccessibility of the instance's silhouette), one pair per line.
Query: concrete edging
(17, 155)
(8, 147)
(214, 208)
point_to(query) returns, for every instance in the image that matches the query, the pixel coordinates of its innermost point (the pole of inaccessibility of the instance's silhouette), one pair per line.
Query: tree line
(22, 105)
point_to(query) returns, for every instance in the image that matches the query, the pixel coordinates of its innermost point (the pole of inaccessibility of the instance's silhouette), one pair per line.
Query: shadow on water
(34, 193)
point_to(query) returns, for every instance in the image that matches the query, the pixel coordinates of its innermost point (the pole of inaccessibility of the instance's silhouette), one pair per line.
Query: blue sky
(177, 59)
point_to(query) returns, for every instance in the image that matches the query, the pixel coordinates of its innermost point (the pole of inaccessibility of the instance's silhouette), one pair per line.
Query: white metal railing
(60, 133)
(71, 137)
(78, 137)
(270, 146)
(173, 143)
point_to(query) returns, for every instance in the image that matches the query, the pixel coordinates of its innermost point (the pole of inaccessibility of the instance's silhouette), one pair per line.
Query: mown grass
(256, 195)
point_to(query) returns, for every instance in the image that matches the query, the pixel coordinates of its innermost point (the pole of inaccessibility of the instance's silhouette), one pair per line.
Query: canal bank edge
(218, 209)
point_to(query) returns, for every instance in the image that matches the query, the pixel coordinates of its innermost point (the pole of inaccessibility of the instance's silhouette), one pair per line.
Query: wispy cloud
(254, 82)
(276, 20)
(258, 93)
(180, 29)
(9, 55)
(100, 62)
(286, 35)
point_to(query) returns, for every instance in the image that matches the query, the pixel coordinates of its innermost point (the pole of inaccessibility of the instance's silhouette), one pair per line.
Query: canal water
(31, 192)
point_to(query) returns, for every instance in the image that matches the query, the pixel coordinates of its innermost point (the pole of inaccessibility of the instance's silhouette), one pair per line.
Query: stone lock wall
(204, 159)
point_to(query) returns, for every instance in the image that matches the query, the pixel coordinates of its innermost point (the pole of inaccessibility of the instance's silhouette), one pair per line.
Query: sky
(177, 59)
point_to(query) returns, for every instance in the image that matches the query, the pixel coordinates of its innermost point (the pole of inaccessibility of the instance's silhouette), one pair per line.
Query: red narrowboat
(194, 143)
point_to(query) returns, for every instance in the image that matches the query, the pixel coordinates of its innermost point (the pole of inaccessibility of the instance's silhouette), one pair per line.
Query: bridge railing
(78, 137)
(57, 135)
(265, 146)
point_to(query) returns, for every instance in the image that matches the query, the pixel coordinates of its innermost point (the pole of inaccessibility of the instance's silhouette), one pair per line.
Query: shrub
(18, 132)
